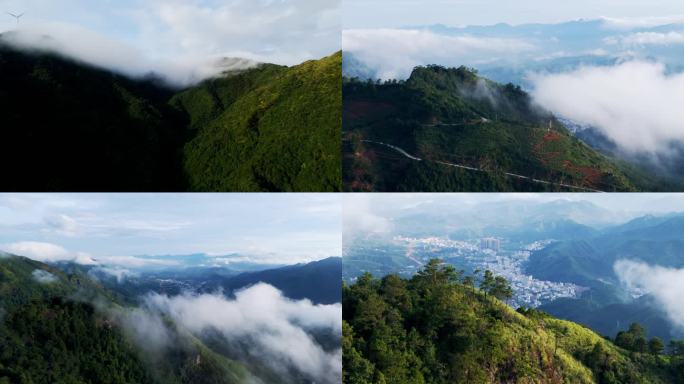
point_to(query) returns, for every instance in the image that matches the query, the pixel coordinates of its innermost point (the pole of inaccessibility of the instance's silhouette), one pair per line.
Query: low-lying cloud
(395, 52)
(636, 104)
(665, 284)
(648, 38)
(277, 328)
(120, 274)
(52, 253)
(100, 51)
(182, 40)
(47, 252)
(43, 277)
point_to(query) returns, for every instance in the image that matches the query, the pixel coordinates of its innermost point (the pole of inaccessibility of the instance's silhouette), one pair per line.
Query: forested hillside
(281, 133)
(437, 327)
(68, 126)
(57, 328)
(448, 129)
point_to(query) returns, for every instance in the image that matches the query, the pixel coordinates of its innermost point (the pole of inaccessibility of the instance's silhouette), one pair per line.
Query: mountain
(433, 329)
(553, 48)
(54, 329)
(59, 324)
(589, 262)
(71, 127)
(447, 129)
(317, 281)
(74, 127)
(268, 129)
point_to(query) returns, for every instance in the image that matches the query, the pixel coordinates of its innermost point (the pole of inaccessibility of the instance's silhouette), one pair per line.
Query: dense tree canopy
(437, 328)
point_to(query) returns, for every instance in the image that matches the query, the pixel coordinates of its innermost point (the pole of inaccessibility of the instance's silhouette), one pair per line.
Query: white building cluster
(488, 253)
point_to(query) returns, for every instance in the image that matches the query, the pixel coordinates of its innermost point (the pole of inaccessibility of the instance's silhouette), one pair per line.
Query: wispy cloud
(43, 277)
(46, 252)
(647, 38)
(279, 329)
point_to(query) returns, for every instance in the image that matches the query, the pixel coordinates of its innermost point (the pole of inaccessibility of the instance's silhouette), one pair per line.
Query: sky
(375, 213)
(635, 203)
(402, 13)
(114, 228)
(177, 37)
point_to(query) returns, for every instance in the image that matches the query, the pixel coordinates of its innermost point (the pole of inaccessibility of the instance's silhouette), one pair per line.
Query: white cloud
(62, 224)
(648, 38)
(641, 22)
(119, 273)
(46, 252)
(43, 277)
(181, 39)
(666, 285)
(50, 253)
(395, 52)
(279, 328)
(359, 219)
(636, 104)
(98, 50)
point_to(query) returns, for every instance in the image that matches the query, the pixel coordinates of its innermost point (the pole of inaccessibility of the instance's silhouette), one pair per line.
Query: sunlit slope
(430, 329)
(447, 129)
(281, 133)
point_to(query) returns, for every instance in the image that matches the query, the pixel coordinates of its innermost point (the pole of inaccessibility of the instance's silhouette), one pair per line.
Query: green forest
(442, 326)
(467, 133)
(68, 126)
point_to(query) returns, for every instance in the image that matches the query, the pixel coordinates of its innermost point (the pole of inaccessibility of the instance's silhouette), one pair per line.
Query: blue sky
(401, 13)
(176, 36)
(268, 228)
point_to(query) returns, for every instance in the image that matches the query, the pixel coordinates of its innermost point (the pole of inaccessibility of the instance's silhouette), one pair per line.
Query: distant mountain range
(317, 281)
(80, 128)
(448, 129)
(589, 261)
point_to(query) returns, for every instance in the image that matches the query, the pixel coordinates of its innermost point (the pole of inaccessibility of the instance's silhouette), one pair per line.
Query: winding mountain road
(408, 155)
